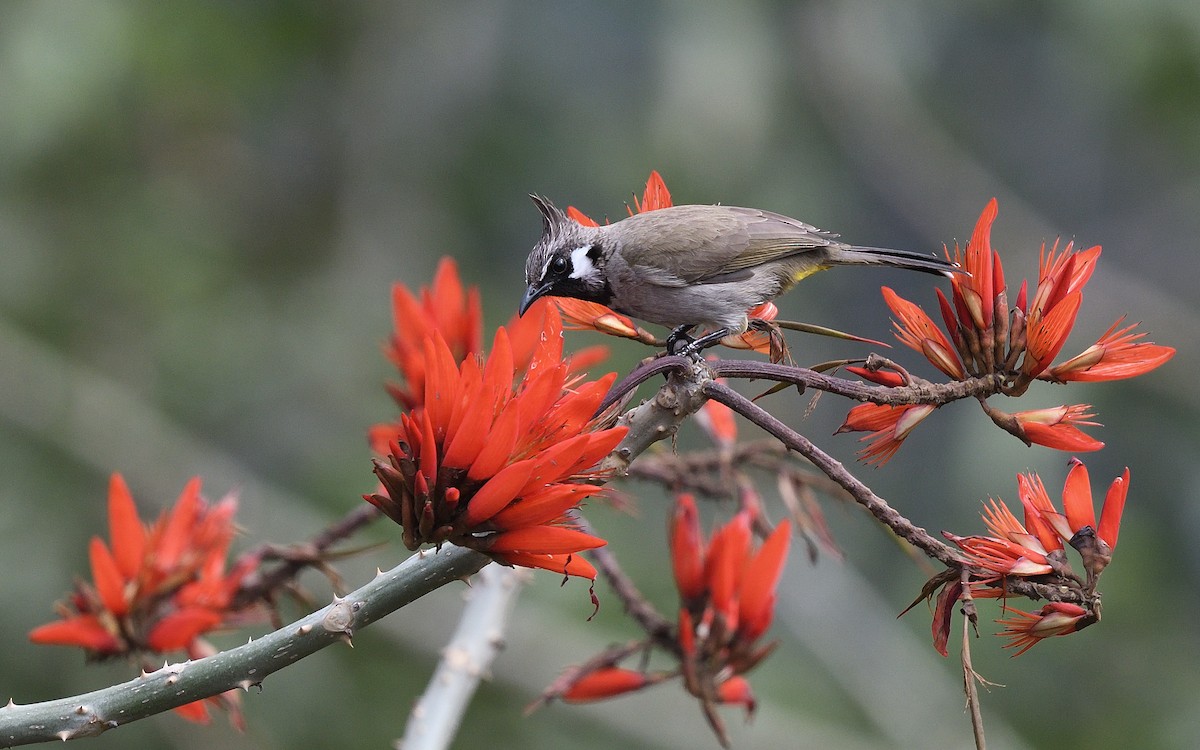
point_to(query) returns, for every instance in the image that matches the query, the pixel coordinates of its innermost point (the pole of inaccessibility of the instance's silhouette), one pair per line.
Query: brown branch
(831, 467)
(920, 392)
(641, 374)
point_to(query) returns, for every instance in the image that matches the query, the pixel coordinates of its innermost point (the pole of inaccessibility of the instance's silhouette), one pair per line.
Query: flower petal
(604, 683)
(1077, 498)
(1114, 506)
(546, 540)
(761, 577)
(126, 531)
(497, 492)
(109, 582)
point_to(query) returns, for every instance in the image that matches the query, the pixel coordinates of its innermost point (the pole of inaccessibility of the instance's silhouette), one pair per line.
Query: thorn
(64, 735)
(11, 703)
(378, 572)
(82, 710)
(347, 638)
(466, 580)
(245, 685)
(304, 629)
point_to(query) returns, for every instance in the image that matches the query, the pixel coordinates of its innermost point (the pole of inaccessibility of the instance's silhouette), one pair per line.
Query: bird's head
(568, 260)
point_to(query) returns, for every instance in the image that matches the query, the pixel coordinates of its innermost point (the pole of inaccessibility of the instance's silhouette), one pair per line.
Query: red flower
(888, 425)
(581, 315)
(1117, 355)
(526, 337)
(486, 465)
(727, 600)
(1055, 304)
(1056, 427)
(918, 331)
(989, 337)
(445, 307)
(1036, 547)
(606, 683)
(156, 589)
(754, 339)
(727, 593)
(654, 197)
(1027, 629)
(975, 293)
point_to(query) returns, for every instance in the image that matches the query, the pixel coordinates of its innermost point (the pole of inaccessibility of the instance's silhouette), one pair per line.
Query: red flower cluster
(988, 338)
(1035, 550)
(727, 593)
(156, 589)
(582, 315)
(486, 465)
(1036, 547)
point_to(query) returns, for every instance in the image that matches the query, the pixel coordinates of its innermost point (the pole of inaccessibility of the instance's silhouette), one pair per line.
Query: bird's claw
(681, 344)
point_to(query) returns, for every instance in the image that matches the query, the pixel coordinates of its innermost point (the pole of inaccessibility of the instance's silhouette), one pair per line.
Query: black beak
(532, 294)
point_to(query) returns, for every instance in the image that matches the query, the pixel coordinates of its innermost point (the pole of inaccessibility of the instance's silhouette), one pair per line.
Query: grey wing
(774, 237)
(684, 245)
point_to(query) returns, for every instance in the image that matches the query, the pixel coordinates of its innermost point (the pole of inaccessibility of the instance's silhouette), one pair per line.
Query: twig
(465, 660)
(261, 585)
(174, 685)
(971, 688)
(641, 374)
(832, 468)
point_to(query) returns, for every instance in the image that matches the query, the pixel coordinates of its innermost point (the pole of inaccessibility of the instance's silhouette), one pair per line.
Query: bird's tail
(882, 256)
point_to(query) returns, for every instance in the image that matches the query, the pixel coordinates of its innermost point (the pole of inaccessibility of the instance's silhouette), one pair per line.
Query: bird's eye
(558, 265)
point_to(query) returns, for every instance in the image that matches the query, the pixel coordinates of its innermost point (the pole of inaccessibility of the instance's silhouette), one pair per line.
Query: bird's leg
(712, 338)
(679, 340)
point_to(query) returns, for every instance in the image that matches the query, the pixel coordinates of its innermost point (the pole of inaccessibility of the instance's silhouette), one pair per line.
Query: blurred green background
(203, 205)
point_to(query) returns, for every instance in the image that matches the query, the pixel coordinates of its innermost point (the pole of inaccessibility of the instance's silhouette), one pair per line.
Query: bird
(692, 266)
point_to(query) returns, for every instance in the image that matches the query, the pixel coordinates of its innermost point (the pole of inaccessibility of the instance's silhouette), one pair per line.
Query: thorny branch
(174, 685)
(689, 384)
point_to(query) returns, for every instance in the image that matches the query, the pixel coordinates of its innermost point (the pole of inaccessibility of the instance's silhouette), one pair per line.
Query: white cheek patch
(581, 264)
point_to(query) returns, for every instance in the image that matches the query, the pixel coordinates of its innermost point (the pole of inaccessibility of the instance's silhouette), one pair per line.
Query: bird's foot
(682, 344)
(679, 339)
